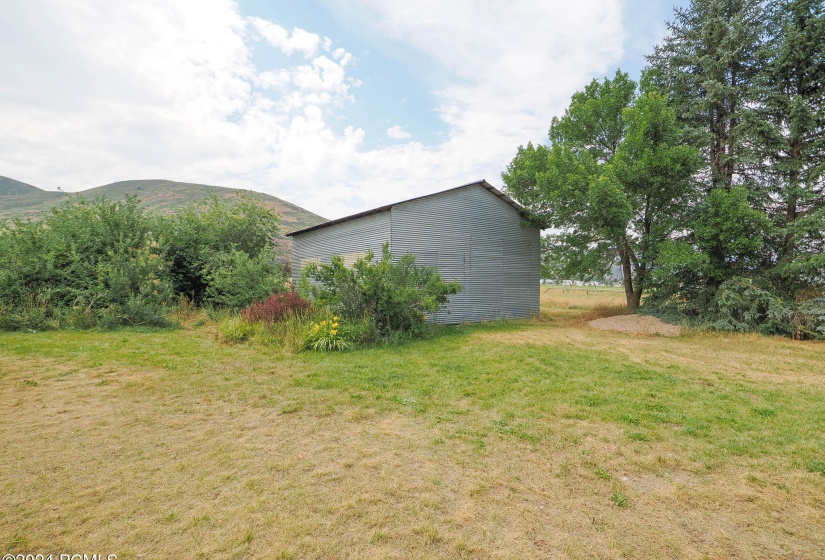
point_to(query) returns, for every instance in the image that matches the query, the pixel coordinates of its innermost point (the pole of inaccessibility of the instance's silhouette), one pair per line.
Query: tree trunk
(627, 277)
(637, 292)
(791, 211)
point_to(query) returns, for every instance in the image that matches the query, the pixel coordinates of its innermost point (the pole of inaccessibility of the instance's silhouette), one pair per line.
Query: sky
(337, 106)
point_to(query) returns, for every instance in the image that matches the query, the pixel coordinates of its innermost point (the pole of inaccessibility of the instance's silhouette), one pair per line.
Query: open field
(524, 439)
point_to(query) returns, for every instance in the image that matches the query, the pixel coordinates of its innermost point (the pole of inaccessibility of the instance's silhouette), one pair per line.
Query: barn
(473, 233)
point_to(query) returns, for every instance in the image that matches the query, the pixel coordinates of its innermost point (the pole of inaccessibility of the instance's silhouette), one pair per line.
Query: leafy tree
(613, 184)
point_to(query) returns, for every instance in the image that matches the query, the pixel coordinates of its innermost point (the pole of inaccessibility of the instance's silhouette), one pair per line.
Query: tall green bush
(107, 263)
(216, 232)
(66, 252)
(394, 294)
(235, 279)
(87, 263)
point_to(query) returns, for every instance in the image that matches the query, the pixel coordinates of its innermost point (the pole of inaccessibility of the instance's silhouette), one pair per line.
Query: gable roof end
(388, 207)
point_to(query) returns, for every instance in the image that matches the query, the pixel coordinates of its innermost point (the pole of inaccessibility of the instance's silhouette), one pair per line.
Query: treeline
(104, 263)
(706, 180)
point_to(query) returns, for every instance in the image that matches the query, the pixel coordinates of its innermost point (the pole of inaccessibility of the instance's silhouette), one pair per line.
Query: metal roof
(388, 207)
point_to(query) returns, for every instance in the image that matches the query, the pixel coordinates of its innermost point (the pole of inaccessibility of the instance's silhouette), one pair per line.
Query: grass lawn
(524, 439)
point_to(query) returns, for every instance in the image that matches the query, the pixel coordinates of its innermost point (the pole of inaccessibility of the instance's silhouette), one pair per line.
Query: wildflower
(335, 325)
(323, 323)
(333, 332)
(315, 328)
(335, 318)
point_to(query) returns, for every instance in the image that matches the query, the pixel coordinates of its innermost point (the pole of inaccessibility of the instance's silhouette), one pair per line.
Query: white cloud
(516, 63)
(288, 42)
(397, 133)
(322, 82)
(97, 91)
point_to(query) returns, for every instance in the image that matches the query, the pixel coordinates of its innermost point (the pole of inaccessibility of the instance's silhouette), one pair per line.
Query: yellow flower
(335, 318)
(323, 323)
(335, 325)
(315, 328)
(333, 332)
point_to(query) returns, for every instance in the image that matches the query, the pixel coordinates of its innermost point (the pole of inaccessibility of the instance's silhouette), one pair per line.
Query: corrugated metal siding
(470, 234)
(480, 241)
(436, 231)
(356, 236)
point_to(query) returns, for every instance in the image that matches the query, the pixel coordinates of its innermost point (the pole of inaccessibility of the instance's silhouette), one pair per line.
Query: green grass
(514, 391)
(494, 440)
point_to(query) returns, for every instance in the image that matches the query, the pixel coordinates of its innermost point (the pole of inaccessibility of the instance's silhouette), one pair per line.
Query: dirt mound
(636, 324)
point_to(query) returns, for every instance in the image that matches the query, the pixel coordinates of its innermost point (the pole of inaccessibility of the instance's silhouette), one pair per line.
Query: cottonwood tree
(613, 184)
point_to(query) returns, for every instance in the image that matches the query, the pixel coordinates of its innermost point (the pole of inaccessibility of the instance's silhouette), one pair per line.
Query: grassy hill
(19, 199)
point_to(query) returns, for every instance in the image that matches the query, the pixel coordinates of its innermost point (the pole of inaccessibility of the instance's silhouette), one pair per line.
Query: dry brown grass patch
(601, 311)
(229, 455)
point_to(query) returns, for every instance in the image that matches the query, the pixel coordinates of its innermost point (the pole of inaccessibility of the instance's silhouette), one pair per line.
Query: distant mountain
(26, 201)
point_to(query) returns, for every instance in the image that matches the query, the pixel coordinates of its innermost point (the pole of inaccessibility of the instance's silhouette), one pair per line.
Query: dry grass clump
(603, 310)
(642, 324)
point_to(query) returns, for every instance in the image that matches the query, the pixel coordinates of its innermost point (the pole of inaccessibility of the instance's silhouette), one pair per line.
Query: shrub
(88, 263)
(234, 279)
(34, 312)
(394, 295)
(743, 305)
(205, 236)
(740, 305)
(275, 308)
(809, 319)
(104, 263)
(134, 289)
(76, 252)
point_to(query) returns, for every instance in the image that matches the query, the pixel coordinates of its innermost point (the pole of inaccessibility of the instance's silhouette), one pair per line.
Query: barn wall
(436, 231)
(470, 234)
(346, 239)
(474, 237)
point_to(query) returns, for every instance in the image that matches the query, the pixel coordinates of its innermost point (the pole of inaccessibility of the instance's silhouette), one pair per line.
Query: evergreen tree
(788, 126)
(707, 66)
